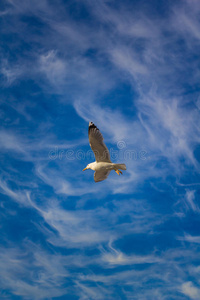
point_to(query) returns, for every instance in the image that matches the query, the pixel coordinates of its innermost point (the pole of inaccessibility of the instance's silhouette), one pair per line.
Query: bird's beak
(84, 169)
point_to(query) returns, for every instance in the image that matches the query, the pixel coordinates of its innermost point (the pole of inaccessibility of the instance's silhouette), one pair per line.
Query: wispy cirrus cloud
(10, 73)
(190, 238)
(190, 290)
(191, 201)
(47, 277)
(173, 278)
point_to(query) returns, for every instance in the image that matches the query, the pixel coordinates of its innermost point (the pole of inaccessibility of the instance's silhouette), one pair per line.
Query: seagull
(103, 165)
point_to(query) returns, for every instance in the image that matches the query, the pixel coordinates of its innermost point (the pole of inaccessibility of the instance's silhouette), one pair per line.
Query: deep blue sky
(133, 68)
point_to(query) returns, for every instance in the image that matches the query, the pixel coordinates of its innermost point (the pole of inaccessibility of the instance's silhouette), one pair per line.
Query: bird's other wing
(101, 175)
(97, 145)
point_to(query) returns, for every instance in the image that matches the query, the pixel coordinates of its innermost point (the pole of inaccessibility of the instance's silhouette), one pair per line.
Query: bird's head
(87, 167)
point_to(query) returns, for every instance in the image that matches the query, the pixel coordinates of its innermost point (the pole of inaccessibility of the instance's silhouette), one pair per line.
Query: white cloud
(116, 257)
(87, 292)
(164, 268)
(126, 60)
(190, 238)
(171, 128)
(44, 281)
(73, 229)
(9, 141)
(189, 289)
(186, 22)
(18, 196)
(53, 67)
(190, 200)
(10, 72)
(106, 120)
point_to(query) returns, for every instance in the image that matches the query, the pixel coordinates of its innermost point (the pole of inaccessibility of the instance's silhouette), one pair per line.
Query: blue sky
(132, 68)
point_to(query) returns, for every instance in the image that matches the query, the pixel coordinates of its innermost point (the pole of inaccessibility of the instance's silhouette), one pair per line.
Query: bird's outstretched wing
(101, 175)
(97, 145)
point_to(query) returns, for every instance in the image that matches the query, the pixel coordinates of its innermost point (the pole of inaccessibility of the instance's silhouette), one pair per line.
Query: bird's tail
(120, 166)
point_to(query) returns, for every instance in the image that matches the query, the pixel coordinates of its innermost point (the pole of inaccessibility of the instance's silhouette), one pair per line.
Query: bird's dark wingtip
(91, 125)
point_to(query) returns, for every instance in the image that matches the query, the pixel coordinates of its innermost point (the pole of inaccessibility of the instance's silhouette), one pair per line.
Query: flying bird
(103, 165)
